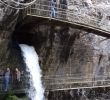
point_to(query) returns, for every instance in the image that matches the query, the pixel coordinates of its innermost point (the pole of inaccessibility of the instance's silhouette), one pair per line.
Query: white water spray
(36, 91)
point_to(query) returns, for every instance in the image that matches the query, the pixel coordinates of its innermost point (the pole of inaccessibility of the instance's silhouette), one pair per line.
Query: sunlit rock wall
(65, 51)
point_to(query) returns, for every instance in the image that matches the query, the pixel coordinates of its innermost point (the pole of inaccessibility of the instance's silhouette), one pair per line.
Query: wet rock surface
(81, 94)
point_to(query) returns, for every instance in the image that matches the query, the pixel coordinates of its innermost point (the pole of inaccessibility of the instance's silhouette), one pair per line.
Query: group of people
(8, 77)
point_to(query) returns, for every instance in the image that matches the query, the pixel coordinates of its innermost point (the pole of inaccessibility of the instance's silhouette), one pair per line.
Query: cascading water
(36, 91)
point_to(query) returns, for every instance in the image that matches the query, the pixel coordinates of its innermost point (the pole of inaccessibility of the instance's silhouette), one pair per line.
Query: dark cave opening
(22, 37)
(43, 37)
(35, 39)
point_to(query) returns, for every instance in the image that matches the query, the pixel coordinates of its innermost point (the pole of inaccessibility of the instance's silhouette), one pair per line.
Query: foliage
(24, 98)
(12, 98)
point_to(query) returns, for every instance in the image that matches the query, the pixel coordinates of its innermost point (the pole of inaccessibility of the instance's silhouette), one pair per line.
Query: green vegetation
(25, 98)
(12, 98)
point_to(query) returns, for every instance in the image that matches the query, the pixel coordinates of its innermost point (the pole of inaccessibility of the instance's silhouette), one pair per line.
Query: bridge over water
(93, 18)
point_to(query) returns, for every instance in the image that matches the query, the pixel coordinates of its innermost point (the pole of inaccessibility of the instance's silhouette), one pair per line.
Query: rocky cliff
(65, 53)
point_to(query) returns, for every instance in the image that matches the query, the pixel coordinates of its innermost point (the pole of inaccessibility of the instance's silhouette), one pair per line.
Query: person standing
(63, 4)
(6, 79)
(17, 77)
(53, 8)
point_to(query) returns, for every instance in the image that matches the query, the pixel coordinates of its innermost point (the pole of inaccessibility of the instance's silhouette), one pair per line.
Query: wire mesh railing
(58, 82)
(13, 85)
(75, 82)
(80, 15)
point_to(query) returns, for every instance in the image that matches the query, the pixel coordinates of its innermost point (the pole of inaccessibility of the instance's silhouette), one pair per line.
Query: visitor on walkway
(53, 8)
(17, 76)
(64, 4)
(6, 79)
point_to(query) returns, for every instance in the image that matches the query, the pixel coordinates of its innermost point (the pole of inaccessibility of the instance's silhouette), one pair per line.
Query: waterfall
(36, 91)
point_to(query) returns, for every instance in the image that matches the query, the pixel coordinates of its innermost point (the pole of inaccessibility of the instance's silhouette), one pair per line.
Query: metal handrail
(77, 75)
(79, 16)
(22, 86)
(76, 81)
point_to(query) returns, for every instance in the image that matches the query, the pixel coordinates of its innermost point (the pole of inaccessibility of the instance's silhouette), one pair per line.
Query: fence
(76, 82)
(93, 18)
(16, 87)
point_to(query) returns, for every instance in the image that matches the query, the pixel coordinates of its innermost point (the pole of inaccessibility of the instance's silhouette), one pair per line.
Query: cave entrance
(24, 34)
(22, 37)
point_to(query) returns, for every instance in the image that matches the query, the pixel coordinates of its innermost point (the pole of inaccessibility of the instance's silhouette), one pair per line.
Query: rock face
(61, 50)
(66, 54)
(8, 18)
(60, 47)
(81, 94)
(9, 52)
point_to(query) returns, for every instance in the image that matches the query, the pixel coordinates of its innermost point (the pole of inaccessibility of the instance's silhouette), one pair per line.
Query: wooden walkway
(82, 18)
